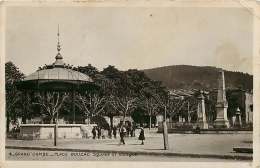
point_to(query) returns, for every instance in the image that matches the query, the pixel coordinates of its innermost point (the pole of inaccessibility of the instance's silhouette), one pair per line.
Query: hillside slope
(198, 77)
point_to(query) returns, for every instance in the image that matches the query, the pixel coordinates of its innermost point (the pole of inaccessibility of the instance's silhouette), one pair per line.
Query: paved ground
(200, 144)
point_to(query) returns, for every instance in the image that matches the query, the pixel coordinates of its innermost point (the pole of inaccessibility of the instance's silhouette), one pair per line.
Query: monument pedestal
(221, 120)
(203, 125)
(221, 123)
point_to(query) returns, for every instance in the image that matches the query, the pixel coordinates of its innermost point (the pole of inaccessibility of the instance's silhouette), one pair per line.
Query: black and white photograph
(119, 83)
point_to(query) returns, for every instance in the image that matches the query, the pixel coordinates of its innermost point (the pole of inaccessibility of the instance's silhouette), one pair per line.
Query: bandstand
(60, 78)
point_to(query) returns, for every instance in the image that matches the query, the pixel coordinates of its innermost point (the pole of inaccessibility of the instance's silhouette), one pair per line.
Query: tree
(115, 92)
(151, 107)
(175, 103)
(125, 96)
(111, 112)
(124, 105)
(185, 107)
(26, 105)
(92, 104)
(148, 94)
(138, 114)
(13, 96)
(51, 103)
(157, 94)
(89, 70)
(120, 90)
(132, 88)
(12, 74)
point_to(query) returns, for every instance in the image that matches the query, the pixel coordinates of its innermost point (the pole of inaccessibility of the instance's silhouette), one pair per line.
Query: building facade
(238, 98)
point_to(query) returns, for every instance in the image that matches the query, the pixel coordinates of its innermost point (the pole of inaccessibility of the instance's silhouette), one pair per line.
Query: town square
(138, 87)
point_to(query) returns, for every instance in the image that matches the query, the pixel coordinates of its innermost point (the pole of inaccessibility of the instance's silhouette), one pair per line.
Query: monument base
(203, 125)
(221, 123)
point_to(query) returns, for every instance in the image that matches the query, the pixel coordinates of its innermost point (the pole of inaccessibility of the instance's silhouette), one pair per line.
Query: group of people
(124, 131)
(98, 132)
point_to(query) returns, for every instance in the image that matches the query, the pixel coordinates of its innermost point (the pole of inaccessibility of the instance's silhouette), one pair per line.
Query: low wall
(46, 131)
(215, 131)
(190, 128)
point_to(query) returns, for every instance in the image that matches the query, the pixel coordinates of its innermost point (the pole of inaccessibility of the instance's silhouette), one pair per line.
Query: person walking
(122, 135)
(114, 131)
(132, 131)
(102, 133)
(99, 132)
(110, 132)
(127, 131)
(141, 136)
(94, 132)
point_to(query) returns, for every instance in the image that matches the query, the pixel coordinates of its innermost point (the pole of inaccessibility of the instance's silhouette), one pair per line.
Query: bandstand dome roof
(57, 76)
(58, 73)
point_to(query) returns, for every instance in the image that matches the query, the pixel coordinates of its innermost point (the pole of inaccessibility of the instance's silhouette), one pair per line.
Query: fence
(179, 125)
(185, 126)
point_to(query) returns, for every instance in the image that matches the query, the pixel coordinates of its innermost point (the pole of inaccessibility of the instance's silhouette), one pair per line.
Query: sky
(130, 37)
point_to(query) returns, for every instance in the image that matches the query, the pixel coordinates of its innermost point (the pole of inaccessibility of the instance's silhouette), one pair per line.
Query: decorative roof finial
(58, 34)
(58, 56)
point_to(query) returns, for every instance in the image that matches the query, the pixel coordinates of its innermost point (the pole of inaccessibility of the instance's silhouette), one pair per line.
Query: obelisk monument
(202, 121)
(222, 104)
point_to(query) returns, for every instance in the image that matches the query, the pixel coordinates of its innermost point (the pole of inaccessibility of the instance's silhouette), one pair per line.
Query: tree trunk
(88, 119)
(124, 118)
(51, 121)
(150, 122)
(165, 111)
(111, 121)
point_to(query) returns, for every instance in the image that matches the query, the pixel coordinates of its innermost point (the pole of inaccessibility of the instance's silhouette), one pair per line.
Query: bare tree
(51, 103)
(92, 104)
(124, 105)
(151, 106)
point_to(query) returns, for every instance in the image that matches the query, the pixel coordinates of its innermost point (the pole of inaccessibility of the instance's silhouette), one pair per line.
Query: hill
(198, 77)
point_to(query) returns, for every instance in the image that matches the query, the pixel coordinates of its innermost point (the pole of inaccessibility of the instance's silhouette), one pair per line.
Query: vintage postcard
(130, 83)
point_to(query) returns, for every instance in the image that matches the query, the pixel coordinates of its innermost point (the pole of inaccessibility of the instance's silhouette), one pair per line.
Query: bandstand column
(188, 111)
(73, 106)
(56, 129)
(24, 108)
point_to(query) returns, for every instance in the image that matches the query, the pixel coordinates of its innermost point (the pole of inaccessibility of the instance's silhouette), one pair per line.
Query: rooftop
(58, 70)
